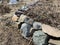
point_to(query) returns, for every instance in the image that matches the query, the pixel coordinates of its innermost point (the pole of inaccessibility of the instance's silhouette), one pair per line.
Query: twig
(30, 41)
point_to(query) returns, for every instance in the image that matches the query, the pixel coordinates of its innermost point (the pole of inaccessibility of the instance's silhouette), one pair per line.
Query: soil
(9, 33)
(46, 11)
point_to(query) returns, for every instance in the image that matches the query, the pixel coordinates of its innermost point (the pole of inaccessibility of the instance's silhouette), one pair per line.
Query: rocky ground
(9, 33)
(46, 11)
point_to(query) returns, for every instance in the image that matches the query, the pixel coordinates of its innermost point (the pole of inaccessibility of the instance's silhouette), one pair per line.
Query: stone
(0, 1)
(29, 21)
(39, 37)
(52, 31)
(37, 25)
(18, 13)
(22, 18)
(13, 2)
(25, 28)
(25, 8)
(14, 18)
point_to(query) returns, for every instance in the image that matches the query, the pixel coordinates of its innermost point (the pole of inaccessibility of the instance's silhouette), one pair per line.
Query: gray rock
(29, 21)
(0, 1)
(24, 8)
(13, 2)
(39, 37)
(22, 18)
(25, 28)
(37, 25)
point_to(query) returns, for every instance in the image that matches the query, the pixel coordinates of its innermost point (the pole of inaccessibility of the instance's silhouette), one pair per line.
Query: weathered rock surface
(37, 25)
(25, 28)
(39, 37)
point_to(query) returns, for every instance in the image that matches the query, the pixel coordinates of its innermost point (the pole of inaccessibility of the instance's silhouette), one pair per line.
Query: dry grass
(4, 9)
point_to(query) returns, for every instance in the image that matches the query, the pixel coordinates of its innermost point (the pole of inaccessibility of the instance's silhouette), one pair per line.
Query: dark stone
(40, 38)
(25, 28)
(18, 13)
(29, 21)
(19, 25)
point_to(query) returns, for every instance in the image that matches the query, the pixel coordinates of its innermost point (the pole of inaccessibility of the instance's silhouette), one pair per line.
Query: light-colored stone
(24, 8)
(22, 18)
(13, 2)
(37, 25)
(51, 30)
(14, 18)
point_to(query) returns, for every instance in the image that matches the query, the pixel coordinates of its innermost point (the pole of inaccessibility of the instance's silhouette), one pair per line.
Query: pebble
(39, 37)
(24, 8)
(29, 21)
(37, 25)
(25, 28)
(22, 18)
(18, 13)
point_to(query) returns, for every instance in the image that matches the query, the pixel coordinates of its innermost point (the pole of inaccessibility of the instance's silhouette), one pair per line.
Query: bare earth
(10, 34)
